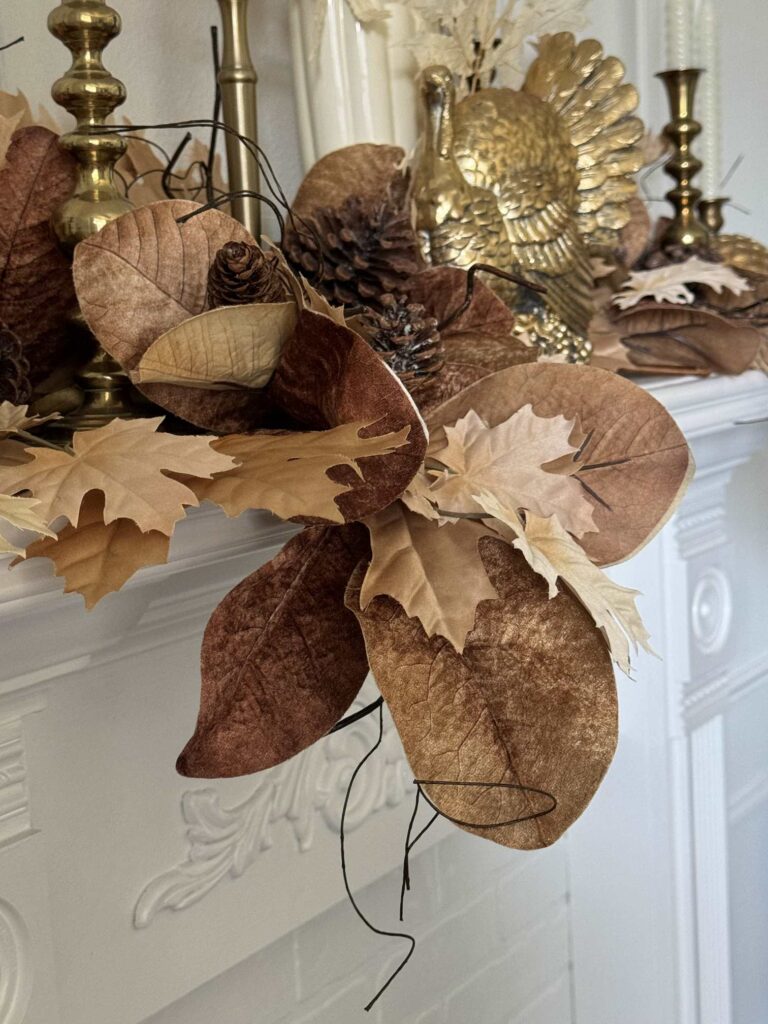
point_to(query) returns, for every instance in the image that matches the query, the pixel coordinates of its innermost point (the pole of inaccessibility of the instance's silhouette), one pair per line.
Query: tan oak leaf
(8, 125)
(96, 558)
(287, 474)
(127, 460)
(554, 554)
(670, 283)
(508, 461)
(15, 418)
(232, 345)
(22, 514)
(435, 572)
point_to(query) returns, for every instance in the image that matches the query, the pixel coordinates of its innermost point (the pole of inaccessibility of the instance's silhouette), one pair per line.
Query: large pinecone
(14, 369)
(242, 273)
(406, 338)
(358, 252)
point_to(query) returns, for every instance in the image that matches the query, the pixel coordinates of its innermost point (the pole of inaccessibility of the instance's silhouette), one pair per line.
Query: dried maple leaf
(8, 125)
(22, 514)
(15, 418)
(37, 292)
(128, 461)
(522, 726)
(554, 554)
(96, 558)
(634, 464)
(282, 659)
(232, 345)
(287, 474)
(435, 572)
(507, 460)
(670, 283)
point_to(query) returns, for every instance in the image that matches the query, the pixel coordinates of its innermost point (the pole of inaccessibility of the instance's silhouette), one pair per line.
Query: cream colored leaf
(232, 345)
(287, 474)
(507, 460)
(14, 418)
(435, 572)
(96, 558)
(554, 554)
(22, 514)
(670, 283)
(128, 461)
(8, 126)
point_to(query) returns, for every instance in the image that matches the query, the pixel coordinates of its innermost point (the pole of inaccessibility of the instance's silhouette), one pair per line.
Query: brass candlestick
(237, 79)
(711, 213)
(686, 231)
(90, 93)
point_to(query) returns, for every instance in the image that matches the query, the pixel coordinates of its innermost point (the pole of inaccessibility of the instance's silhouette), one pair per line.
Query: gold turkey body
(533, 181)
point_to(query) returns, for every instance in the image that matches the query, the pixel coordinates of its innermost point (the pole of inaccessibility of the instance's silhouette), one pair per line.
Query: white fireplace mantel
(124, 887)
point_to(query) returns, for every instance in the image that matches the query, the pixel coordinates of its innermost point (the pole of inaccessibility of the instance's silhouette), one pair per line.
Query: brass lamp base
(711, 213)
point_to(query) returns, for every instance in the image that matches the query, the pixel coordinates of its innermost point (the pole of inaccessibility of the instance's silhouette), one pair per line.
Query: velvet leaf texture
(282, 658)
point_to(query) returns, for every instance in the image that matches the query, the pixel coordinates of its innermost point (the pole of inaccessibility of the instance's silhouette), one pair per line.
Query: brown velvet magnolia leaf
(127, 461)
(434, 572)
(329, 376)
(449, 381)
(282, 658)
(95, 558)
(37, 294)
(232, 345)
(530, 703)
(682, 337)
(365, 170)
(144, 274)
(635, 464)
(288, 473)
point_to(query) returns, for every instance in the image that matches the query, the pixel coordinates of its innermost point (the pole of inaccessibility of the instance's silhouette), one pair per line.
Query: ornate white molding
(15, 815)
(711, 610)
(15, 966)
(224, 841)
(710, 695)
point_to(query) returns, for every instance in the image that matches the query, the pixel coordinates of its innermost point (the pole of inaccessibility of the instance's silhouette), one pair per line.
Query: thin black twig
(7, 46)
(472, 273)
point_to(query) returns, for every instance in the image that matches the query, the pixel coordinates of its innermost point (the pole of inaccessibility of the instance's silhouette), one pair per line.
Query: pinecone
(405, 337)
(242, 273)
(358, 252)
(14, 369)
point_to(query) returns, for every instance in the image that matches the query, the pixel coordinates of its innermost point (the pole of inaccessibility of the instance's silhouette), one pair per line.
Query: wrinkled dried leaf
(14, 453)
(635, 236)
(232, 345)
(282, 658)
(37, 292)
(22, 514)
(687, 339)
(531, 702)
(669, 283)
(608, 350)
(434, 572)
(636, 462)
(8, 126)
(12, 104)
(96, 559)
(126, 460)
(288, 474)
(507, 460)
(144, 274)
(449, 381)
(329, 376)
(554, 554)
(365, 170)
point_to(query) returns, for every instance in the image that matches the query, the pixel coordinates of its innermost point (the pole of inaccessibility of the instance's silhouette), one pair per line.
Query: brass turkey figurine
(535, 181)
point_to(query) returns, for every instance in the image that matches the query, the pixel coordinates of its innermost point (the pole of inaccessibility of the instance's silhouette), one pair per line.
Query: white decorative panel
(15, 966)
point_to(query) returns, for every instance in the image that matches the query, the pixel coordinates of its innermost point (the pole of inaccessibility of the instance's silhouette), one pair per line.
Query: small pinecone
(14, 369)
(405, 337)
(242, 273)
(356, 253)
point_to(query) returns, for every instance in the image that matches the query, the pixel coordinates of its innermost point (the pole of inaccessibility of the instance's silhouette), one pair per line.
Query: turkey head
(534, 181)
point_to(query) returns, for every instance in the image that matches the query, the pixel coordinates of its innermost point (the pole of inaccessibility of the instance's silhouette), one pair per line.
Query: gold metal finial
(711, 213)
(90, 93)
(237, 79)
(686, 231)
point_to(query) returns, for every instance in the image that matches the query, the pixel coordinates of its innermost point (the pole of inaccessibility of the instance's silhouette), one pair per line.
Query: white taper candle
(679, 33)
(709, 59)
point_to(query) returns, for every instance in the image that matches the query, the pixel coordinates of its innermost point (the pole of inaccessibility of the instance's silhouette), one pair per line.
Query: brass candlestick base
(711, 213)
(686, 232)
(90, 93)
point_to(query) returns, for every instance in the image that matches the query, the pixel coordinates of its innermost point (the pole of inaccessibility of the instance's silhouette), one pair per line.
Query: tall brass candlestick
(237, 79)
(91, 93)
(686, 231)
